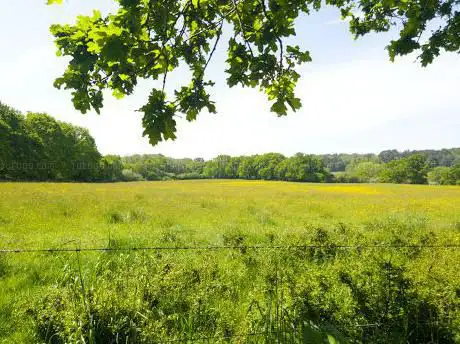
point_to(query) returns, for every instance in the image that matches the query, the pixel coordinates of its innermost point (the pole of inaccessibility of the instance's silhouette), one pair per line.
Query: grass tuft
(134, 216)
(115, 217)
(4, 221)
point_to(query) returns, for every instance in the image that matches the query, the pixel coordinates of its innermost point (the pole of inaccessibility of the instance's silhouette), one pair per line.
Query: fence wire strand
(225, 247)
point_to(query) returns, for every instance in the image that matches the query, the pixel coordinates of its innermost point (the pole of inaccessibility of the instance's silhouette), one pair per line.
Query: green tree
(131, 176)
(149, 39)
(111, 168)
(51, 156)
(158, 167)
(412, 170)
(443, 175)
(266, 165)
(247, 168)
(389, 155)
(439, 175)
(193, 169)
(302, 168)
(87, 157)
(365, 171)
(38, 147)
(417, 169)
(11, 124)
(334, 162)
(152, 167)
(455, 174)
(218, 167)
(231, 169)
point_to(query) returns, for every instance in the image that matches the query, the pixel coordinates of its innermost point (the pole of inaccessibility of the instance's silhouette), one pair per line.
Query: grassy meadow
(238, 295)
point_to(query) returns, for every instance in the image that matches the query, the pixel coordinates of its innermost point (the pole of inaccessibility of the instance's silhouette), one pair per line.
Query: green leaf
(93, 47)
(294, 103)
(118, 94)
(279, 108)
(331, 339)
(257, 25)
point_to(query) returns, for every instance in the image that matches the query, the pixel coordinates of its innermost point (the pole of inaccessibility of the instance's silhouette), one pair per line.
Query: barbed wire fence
(223, 247)
(281, 335)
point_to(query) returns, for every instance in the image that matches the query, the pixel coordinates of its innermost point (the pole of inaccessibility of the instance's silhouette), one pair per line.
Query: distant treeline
(412, 168)
(38, 147)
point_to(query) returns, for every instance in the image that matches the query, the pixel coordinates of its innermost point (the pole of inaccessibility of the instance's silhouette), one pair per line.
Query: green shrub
(130, 176)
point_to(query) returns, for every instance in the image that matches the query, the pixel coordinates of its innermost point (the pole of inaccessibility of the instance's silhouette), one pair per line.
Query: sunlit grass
(218, 212)
(50, 215)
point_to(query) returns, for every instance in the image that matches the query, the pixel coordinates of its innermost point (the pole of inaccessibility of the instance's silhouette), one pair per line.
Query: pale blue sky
(354, 99)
